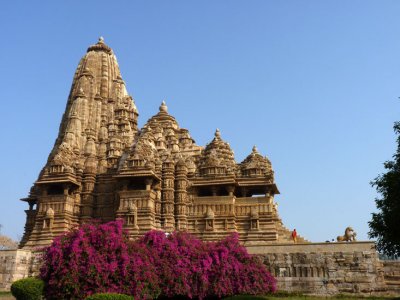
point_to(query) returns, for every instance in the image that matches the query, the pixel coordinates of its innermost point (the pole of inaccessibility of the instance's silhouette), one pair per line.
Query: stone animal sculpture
(349, 235)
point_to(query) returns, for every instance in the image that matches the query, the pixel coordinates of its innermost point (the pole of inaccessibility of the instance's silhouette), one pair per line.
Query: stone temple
(103, 167)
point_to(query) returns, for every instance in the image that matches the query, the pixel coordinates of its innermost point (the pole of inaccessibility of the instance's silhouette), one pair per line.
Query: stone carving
(48, 219)
(349, 235)
(101, 158)
(210, 219)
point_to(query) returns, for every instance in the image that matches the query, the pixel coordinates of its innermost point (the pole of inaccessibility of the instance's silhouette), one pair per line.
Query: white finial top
(101, 39)
(255, 150)
(163, 106)
(217, 133)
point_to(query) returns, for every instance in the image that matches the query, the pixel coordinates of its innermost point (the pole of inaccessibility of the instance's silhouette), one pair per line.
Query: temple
(103, 167)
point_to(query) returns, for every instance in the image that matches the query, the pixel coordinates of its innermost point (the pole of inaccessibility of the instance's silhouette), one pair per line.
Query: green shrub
(30, 288)
(109, 296)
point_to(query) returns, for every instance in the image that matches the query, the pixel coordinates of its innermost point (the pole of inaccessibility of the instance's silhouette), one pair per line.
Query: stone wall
(392, 275)
(14, 265)
(328, 268)
(312, 268)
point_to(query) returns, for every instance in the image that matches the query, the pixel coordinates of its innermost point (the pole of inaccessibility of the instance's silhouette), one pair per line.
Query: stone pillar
(148, 183)
(181, 195)
(87, 198)
(157, 189)
(230, 189)
(168, 196)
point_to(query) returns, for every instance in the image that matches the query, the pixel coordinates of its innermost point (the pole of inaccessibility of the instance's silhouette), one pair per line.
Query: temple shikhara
(104, 167)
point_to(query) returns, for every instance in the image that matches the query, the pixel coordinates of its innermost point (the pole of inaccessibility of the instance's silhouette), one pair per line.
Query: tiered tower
(98, 125)
(103, 167)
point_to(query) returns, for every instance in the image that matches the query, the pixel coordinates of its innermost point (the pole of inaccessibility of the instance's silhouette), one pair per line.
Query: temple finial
(100, 46)
(217, 133)
(255, 150)
(163, 107)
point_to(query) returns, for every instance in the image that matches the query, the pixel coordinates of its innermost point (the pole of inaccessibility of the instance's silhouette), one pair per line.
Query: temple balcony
(220, 205)
(263, 205)
(254, 200)
(59, 203)
(214, 199)
(143, 199)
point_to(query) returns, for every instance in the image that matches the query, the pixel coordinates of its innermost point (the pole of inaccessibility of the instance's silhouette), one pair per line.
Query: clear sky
(314, 84)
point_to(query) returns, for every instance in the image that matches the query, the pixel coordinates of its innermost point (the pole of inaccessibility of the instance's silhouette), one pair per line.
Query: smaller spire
(163, 107)
(101, 40)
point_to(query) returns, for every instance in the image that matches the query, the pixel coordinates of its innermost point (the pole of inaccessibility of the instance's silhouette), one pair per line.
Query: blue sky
(314, 84)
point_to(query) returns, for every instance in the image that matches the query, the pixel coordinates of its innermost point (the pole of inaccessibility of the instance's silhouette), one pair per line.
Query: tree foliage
(100, 258)
(7, 243)
(385, 224)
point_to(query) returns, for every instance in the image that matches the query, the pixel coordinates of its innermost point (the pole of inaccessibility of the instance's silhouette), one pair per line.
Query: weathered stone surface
(330, 268)
(14, 265)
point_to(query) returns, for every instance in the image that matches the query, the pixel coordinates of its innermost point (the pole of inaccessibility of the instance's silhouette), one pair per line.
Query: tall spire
(99, 123)
(98, 108)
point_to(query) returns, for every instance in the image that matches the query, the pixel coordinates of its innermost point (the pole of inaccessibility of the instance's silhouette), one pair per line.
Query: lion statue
(349, 235)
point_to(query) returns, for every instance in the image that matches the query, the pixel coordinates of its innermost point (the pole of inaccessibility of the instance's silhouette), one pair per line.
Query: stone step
(395, 283)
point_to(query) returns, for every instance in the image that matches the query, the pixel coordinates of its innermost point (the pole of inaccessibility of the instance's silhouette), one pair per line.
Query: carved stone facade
(328, 269)
(103, 167)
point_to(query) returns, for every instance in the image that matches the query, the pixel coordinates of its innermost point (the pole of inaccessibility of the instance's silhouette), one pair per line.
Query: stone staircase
(285, 235)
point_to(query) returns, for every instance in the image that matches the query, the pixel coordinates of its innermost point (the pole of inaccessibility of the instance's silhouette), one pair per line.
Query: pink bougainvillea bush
(191, 268)
(100, 258)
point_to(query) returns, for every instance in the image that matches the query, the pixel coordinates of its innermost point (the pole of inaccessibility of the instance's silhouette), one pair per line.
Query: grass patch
(6, 295)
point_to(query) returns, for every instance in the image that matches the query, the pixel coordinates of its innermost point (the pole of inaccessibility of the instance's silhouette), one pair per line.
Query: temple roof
(219, 154)
(99, 131)
(256, 162)
(166, 140)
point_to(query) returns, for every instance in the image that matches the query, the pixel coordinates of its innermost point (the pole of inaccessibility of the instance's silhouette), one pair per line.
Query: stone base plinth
(327, 268)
